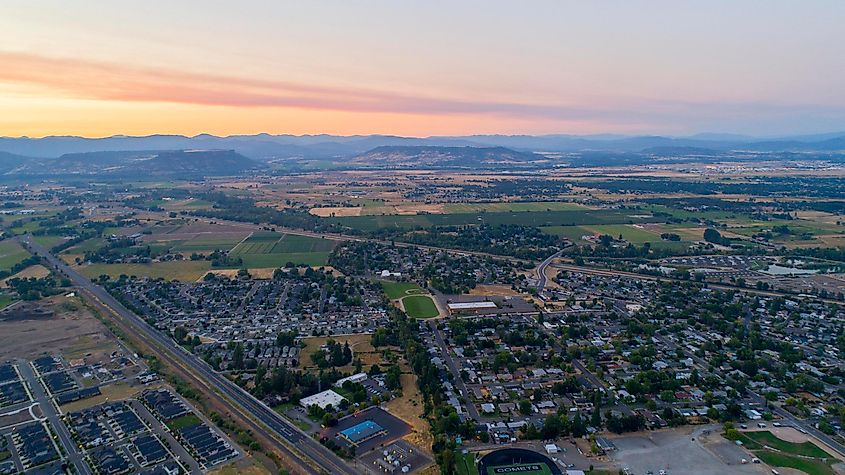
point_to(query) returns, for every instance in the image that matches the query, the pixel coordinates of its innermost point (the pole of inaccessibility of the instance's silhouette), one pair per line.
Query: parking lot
(677, 450)
(393, 457)
(387, 429)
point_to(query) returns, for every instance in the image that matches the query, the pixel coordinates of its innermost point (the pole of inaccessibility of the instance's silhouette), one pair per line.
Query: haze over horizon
(100, 69)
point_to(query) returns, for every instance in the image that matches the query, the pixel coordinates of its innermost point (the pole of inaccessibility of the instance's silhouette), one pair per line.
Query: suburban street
(50, 413)
(261, 418)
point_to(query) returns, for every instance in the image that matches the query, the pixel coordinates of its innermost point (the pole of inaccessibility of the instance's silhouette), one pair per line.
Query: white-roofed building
(322, 400)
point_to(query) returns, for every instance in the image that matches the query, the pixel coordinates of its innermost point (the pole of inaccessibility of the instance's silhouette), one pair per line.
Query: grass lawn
(807, 449)
(465, 464)
(48, 241)
(395, 290)
(6, 299)
(11, 253)
(420, 306)
(184, 421)
(89, 245)
(808, 466)
(185, 271)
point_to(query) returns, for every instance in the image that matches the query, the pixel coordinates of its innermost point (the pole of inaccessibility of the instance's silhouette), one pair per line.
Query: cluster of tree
(713, 236)
(334, 355)
(526, 242)
(180, 336)
(221, 258)
(236, 208)
(624, 423)
(29, 261)
(33, 288)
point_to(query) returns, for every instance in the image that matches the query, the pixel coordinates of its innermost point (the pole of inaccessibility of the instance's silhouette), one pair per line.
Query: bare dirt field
(199, 230)
(338, 212)
(37, 271)
(65, 331)
(409, 409)
(494, 290)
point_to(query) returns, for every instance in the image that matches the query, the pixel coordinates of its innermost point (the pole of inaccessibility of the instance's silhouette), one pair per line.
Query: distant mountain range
(452, 157)
(146, 164)
(209, 155)
(266, 147)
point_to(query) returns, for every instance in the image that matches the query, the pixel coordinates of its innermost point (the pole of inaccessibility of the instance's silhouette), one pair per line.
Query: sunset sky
(98, 68)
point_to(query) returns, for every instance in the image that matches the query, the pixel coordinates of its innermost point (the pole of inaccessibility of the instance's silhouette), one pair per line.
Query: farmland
(526, 218)
(11, 253)
(184, 271)
(269, 249)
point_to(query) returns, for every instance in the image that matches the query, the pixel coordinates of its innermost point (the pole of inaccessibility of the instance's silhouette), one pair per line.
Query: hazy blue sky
(420, 68)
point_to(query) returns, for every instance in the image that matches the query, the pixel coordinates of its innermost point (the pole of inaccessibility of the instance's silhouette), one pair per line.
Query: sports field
(529, 468)
(420, 306)
(395, 290)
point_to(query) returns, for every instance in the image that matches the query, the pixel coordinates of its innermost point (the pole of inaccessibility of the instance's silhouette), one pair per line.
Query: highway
(290, 441)
(541, 270)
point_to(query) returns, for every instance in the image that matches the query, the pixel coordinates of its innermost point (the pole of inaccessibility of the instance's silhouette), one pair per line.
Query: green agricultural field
(573, 233)
(205, 244)
(629, 233)
(526, 218)
(268, 249)
(293, 243)
(258, 261)
(47, 241)
(519, 206)
(11, 253)
(89, 245)
(420, 306)
(185, 271)
(395, 290)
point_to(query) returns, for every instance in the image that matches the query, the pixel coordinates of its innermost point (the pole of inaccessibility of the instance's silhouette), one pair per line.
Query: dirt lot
(409, 409)
(72, 327)
(494, 290)
(37, 271)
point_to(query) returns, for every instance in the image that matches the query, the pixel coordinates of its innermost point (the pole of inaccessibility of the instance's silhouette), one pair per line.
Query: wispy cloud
(122, 82)
(119, 82)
